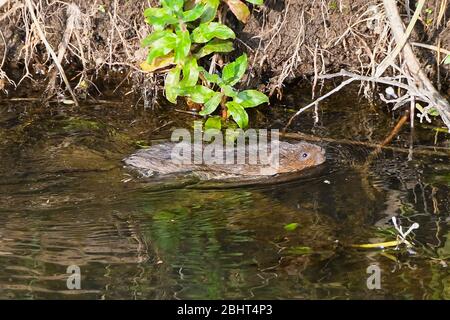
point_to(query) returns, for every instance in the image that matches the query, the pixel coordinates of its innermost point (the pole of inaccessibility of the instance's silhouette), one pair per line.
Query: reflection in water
(66, 200)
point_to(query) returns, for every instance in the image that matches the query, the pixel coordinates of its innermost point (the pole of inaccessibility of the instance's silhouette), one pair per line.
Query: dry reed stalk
(50, 50)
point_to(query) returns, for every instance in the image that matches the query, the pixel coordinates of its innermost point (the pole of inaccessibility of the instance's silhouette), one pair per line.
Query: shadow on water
(66, 200)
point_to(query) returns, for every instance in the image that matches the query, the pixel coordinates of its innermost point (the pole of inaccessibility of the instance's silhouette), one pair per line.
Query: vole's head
(300, 156)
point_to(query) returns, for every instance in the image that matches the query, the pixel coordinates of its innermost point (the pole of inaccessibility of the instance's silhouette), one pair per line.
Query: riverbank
(98, 43)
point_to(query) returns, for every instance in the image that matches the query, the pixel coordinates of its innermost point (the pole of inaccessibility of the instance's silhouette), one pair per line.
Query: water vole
(293, 157)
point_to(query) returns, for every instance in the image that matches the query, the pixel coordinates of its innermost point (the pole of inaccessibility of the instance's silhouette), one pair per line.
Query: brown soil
(104, 46)
(297, 38)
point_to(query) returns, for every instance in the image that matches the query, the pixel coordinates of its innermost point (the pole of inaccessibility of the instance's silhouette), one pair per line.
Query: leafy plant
(184, 32)
(237, 7)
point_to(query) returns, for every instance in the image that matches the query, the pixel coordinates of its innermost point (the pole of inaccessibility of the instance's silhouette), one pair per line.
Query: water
(66, 200)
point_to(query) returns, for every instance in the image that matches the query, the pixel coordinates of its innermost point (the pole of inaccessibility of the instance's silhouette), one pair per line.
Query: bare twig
(50, 50)
(418, 88)
(431, 47)
(338, 88)
(73, 13)
(426, 87)
(355, 77)
(3, 2)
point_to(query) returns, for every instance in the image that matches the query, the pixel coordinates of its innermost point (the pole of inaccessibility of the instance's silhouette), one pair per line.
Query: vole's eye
(305, 155)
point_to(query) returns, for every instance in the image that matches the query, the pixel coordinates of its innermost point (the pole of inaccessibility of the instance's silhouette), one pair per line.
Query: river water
(66, 200)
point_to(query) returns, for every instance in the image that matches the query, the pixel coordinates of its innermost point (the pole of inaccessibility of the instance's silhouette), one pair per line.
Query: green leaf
(142, 144)
(443, 130)
(447, 60)
(198, 93)
(257, 2)
(233, 72)
(193, 14)
(215, 45)
(159, 16)
(171, 85)
(214, 78)
(228, 90)
(156, 53)
(162, 47)
(148, 41)
(213, 123)
(212, 104)
(238, 113)
(190, 73)
(251, 98)
(433, 112)
(101, 8)
(175, 6)
(291, 226)
(156, 12)
(239, 9)
(210, 13)
(207, 31)
(183, 46)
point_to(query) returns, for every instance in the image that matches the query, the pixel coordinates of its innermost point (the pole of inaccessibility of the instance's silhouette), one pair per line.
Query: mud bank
(98, 43)
(290, 39)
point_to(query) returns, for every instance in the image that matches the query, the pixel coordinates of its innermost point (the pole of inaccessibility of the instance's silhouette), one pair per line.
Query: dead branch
(390, 81)
(401, 41)
(430, 47)
(388, 139)
(396, 130)
(338, 88)
(73, 13)
(426, 87)
(419, 87)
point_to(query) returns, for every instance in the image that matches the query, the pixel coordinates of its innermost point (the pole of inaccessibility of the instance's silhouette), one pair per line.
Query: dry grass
(404, 70)
(98, 35)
